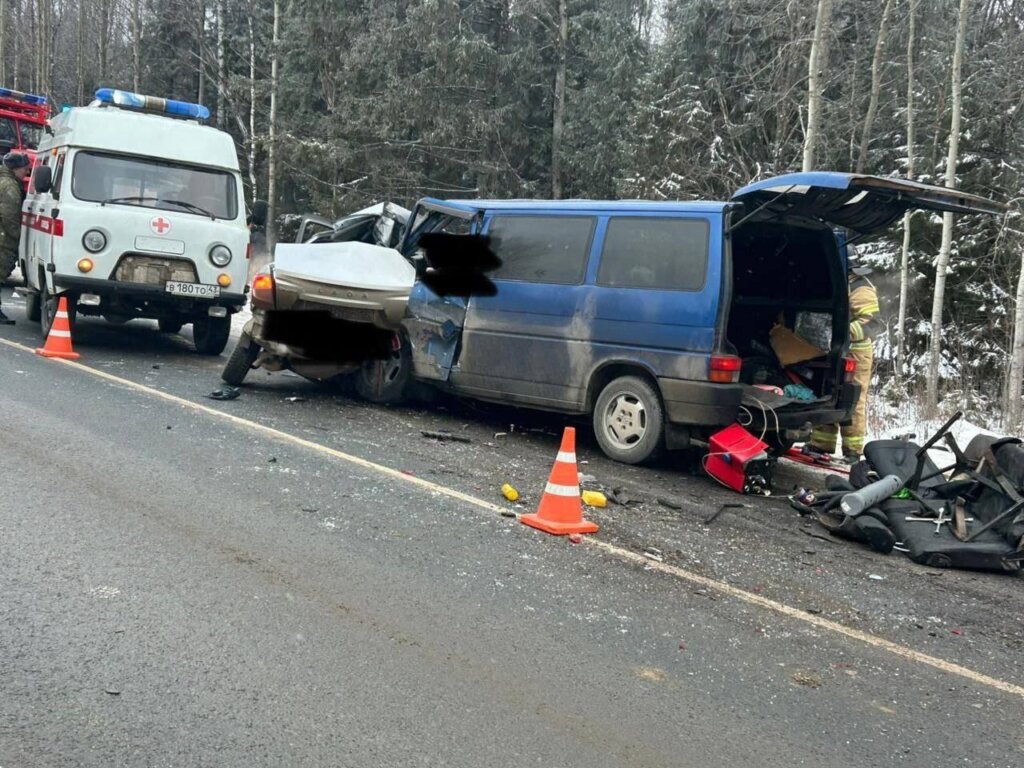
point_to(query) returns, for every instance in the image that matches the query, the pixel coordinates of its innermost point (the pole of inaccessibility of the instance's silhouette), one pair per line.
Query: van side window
(58, 175)
(658, 253)
(542, 249)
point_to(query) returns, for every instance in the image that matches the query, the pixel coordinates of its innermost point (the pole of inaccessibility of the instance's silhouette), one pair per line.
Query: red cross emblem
(160, 225)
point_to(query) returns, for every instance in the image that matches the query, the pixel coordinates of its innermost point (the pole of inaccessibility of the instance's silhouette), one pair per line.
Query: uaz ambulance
(135, 210)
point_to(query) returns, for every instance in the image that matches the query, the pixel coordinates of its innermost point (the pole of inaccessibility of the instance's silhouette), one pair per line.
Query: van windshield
(151, 183)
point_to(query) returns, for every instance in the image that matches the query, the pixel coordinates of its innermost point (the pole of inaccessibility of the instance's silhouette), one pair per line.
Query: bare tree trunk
(901, 323)
(876, 86)
(272, 138)
(136, 45)
(3, 40)
(252, 104)
(105, 13)
(1013, 389)
(558, 107)
(200, 52)
(818, 61)
(80, 58)
(222, 85)
(942, 264)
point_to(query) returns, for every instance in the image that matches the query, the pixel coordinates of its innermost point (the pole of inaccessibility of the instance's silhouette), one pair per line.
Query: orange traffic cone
(560, 511)
(58, 340)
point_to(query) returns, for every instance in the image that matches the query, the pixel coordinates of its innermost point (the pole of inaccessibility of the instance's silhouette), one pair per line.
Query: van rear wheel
(33, 307)
(629, 420)
(48, 304)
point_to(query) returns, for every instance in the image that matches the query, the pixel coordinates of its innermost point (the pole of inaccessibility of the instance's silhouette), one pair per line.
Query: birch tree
(817, 64)
(558, 104)
(901, 322)
(942, 263)
(876, 86)
(272, 153)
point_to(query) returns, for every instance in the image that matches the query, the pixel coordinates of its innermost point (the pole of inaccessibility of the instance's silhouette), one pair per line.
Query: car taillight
(849, 368)
(263, 290)
(725, 369)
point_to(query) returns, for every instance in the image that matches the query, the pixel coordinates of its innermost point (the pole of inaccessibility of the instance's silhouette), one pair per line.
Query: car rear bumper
(705, 403)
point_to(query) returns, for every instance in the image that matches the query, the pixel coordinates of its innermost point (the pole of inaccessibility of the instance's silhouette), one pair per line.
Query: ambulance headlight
(94, 241)
(220, 255)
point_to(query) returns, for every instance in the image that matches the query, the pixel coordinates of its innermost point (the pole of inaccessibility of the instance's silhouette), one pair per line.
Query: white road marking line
(635, 558)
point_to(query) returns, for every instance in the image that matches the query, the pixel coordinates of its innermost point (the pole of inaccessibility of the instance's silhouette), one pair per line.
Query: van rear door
(857, 202)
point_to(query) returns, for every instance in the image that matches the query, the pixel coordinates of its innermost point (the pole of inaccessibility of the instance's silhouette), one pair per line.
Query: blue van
(655, 318)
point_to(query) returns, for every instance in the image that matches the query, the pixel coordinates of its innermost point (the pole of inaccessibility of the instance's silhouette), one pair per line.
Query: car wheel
(386, 381)
(33, 307)
(168, 325)
(629, 421)
(210, 334)
(241, 360)
(48, 304)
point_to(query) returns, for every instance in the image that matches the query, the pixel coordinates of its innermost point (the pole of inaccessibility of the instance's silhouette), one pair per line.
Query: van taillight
(725, 369)
(849, 368)
(263, 290)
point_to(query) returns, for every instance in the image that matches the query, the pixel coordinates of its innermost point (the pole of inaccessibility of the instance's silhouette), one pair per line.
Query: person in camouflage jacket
(15, 168)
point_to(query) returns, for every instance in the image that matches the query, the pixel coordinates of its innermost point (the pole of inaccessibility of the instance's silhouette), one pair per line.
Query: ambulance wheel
(48, 304)
(241, 360)
(167, 325)
(629, 420)
(211, 334)
(33, 307)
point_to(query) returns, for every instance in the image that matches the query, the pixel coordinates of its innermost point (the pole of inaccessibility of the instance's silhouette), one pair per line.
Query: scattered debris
(876, 577)
(669, 503)
(508, 513)
(594, 499)
(584, 478)
(653, 553)
(408, 472)
(272, 460)
(729, 505)
(576, 538)
(813, 611)
(501, 434)
(296, 399)
(443, 436)
(156, 367)
(509, 492)
(225, 393)
(112, 691)
(682, 645)
(807, 679)
(957, 631)
(310, 509)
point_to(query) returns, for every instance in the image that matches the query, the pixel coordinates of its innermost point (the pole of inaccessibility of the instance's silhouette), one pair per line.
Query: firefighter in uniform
(16, 167)
(864, 326)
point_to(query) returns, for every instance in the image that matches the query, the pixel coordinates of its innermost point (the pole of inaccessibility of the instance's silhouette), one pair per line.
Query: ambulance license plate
(192, 290)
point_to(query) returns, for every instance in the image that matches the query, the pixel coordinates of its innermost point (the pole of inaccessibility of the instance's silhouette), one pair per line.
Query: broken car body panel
(858, 202)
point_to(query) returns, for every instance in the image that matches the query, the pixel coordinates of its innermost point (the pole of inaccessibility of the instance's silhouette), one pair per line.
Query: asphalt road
(181, 588)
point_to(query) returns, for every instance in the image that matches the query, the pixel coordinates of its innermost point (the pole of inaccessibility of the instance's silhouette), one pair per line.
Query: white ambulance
(137, 210)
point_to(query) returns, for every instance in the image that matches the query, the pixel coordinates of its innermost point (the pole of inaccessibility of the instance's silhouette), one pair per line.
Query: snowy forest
(337, 104)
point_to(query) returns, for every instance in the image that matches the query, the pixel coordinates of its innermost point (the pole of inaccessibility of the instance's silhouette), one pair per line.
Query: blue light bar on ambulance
(153, 103)
(28, 98)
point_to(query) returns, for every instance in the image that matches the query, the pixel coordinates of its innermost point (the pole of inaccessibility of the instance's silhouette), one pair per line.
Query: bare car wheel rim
(625, 420)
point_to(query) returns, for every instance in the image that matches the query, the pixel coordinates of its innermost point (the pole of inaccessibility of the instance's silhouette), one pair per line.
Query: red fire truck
(22, 118)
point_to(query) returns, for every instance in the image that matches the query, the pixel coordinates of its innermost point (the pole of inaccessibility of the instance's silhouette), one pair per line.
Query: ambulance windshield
(151, 183)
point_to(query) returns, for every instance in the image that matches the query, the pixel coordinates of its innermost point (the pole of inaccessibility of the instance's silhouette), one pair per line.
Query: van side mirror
(258, 217)
(42, 179)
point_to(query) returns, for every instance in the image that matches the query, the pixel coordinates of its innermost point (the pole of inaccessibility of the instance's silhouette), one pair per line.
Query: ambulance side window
(58, 175)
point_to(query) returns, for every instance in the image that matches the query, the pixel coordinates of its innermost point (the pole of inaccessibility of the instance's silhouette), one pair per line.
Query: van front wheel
(629, 420)
(210, 334)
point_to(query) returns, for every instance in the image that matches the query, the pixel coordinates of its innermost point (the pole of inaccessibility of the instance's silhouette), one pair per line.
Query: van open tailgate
(861, 203)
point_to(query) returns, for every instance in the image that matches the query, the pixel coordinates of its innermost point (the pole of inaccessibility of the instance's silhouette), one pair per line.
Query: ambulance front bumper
(144, 292)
